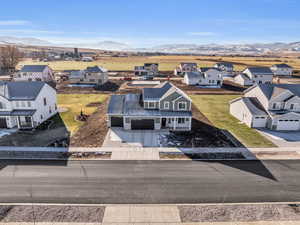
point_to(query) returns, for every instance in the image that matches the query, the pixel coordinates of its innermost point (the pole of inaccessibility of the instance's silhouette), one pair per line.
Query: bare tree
(10, 56)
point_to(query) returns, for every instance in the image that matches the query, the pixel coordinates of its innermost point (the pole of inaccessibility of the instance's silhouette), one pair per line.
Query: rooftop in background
(260, 70)
(282, 65)
(33, 68)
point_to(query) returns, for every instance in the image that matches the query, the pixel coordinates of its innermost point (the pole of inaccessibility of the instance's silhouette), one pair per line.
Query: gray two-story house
(161, 107)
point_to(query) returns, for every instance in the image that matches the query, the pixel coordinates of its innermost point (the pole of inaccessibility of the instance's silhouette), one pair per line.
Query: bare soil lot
(53, 214)
(239, 213)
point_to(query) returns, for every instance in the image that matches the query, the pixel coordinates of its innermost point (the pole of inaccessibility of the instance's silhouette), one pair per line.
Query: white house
(259, 75)
(206, 76)
(226, 68)
(271, 106)
(25, 105)
(185, 67)
(35, 73)
(282, 70)
(243, 79)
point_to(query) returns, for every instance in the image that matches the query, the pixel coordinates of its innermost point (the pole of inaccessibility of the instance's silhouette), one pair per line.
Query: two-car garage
(287, 125)
(132, 123)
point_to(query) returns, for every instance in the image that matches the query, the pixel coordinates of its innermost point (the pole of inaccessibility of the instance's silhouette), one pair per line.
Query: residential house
(25, 105)
(161, 107)
(35, 73)
(282, 70)
(243, 79)
(206, 76)
(185, 67)
(91, 75)
(226, 68)
(271, 106)
(259, 75)
(149, 69)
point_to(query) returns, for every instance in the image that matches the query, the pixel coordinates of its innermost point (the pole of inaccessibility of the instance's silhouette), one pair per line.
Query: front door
(163, 122)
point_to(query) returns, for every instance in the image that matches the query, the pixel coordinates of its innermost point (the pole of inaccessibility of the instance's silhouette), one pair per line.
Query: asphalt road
(112, 182)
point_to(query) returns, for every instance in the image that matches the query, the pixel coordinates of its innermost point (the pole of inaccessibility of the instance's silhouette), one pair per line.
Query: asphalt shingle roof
(33, 68)
(116, 105)
(21, 90)
(193, 75)
(95, 69)
(157, 91)
(270, 89)
(260, 70)
(282, 65)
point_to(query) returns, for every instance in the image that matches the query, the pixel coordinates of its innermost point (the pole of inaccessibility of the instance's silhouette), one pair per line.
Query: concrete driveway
(282, 138)
(118, 137)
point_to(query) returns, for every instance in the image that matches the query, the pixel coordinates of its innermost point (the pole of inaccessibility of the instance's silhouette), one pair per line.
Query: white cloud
(13, 22)
(201, 34)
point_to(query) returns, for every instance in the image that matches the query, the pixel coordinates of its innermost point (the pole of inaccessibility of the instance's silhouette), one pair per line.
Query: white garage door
(259, 121)
(288, 125)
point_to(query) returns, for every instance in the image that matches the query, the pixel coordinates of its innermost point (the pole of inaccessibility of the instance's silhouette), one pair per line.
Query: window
(166, 105)
(181, 120)
(2, 105)
(17, 104)
(292, 106)
(50, 111)
(42, 117)
(55, 107)
(23, 104)
(151, 105)
(274, 105)
(29, 104)
(45, 101)
(92, 80)
(182, 105)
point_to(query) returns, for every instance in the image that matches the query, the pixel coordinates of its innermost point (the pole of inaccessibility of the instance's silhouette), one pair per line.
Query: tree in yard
(10, 56)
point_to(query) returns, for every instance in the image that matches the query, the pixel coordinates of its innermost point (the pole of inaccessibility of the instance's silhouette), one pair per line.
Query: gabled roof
(252, 105)
(21, 90)
(282, 65)
(116, 105)
(156, 92)
(260, 70)
(33, 68)
(243, 75)
(268, 89)
(95, 69)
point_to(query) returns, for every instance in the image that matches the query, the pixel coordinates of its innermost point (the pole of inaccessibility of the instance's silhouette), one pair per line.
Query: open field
(216, 109)
(168, 63)
(74, 103)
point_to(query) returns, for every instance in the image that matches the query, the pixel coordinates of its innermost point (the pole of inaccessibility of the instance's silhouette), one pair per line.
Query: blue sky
(142, 23)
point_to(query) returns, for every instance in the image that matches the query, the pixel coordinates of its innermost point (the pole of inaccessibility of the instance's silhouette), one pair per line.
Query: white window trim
(153, 103)
(185, 106)
(166, 105)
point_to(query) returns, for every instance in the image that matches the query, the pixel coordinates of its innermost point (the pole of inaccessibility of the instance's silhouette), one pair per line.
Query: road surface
(115, 182)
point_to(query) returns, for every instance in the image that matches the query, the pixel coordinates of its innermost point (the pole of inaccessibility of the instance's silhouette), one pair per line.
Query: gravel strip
(239, 213)
(57, 214)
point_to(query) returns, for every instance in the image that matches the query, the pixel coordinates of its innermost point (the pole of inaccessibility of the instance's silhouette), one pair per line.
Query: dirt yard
(92, 133)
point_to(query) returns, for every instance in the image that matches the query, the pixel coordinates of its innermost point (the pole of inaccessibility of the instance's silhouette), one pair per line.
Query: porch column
(175, 121)
(18, 122)
(32, 122)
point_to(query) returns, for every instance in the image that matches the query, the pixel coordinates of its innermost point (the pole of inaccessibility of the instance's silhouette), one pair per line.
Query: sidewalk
(140, 153)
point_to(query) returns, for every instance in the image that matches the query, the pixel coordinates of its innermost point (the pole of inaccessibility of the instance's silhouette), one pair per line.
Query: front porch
(176, 123)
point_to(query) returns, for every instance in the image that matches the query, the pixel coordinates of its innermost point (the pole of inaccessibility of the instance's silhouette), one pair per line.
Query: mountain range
(256, 48)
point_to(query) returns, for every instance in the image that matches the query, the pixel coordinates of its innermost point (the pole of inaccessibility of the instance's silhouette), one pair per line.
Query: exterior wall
(241, 81)
(90, 78)
(282, 71)
(46, 75)
(181, 69)
(43, 111)
(279, 100)
(256, 92)
(296, 102)
(211, 77)
(239, 110)
(190, 81)
(173, 106)
(259, 78)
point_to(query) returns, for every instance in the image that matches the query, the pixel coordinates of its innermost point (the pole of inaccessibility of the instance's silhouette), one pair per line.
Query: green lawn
(216, 109)
(75, 103)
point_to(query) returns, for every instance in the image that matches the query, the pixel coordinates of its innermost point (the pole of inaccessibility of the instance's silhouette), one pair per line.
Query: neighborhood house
(185, 67)
(259, 75)
(91, 75)
(226, 68)
(161, 107)
(25, 105)
(206, 76)
(272, 106)
(35, 73)
(149, 69)
(282, 70)
(243, 79)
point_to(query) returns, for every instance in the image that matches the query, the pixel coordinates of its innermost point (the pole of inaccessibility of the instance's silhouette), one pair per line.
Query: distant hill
(23, 41)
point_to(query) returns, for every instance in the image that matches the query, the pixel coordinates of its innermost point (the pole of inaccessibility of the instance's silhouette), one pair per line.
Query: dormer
(278, 98)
